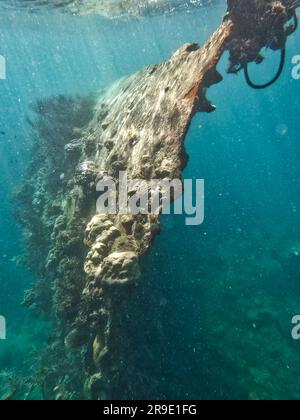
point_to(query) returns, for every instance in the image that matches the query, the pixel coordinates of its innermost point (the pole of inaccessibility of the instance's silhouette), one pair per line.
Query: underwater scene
(150, 206)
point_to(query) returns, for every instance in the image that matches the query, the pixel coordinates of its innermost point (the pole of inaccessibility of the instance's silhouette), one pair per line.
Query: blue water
(228, 288)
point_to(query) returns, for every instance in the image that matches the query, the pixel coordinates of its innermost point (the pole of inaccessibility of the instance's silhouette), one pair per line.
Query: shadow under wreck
(89, 265)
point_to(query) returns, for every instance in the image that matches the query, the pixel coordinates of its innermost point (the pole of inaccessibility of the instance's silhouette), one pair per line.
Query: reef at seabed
(88, 265)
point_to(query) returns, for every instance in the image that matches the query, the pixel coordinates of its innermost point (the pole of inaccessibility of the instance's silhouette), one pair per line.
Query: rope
(274, 80)
(296, 21)
(281, 66)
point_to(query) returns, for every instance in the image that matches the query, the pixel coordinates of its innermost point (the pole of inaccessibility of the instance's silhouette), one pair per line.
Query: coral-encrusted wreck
(89, 264)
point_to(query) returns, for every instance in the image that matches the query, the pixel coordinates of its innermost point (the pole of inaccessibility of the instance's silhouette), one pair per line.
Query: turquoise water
(229, 288)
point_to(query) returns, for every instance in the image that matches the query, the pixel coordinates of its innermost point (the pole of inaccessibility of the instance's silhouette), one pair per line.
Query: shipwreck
(89, 265)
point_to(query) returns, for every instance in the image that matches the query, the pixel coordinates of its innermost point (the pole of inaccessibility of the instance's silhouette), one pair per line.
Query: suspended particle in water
(282, 130)
(163, 302)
